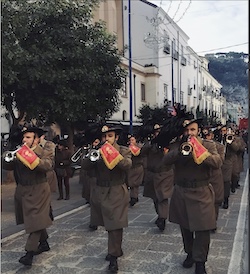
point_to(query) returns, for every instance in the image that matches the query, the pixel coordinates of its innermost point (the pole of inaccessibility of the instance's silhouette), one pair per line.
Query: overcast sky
(212, 26)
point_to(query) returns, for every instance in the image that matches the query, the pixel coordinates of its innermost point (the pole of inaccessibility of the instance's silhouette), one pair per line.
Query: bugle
(93, 155)
(229, 138)
(78, 154)
(186, 148)
(10, 155)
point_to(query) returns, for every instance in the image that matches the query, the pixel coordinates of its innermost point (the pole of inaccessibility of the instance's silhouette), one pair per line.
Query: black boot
(200, 268)
(161, 223)
(232, 188)
(27, 258)
(93, 227)
(188, 263)
(43, 247)
(133, 201)
(113, 266)
(109, 256)
(225, 204)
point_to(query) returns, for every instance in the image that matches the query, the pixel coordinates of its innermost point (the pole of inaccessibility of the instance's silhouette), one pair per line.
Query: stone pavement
(75, 249)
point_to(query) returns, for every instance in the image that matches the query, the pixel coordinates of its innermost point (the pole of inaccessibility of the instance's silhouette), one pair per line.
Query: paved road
(75, 250)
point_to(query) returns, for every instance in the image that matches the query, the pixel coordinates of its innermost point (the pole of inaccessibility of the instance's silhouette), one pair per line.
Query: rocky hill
(231, 71)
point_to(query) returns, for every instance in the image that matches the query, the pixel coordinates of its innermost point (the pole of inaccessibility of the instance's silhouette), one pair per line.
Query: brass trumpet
(93, 155)
(186, 148)
(78, 154)
(229, 138)
(10, 155)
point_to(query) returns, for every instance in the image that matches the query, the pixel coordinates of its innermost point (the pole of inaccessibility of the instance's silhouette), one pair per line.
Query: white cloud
(211, 25)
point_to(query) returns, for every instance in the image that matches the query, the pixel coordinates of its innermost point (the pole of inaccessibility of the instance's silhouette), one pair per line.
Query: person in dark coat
(110, 197)
(192, 202)
(32, 195)
(63, 168)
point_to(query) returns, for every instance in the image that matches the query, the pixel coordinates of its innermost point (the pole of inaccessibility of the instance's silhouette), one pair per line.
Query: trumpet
(186, 148)
(10, 155)
(78, 154)
(229, 138)
(93, 155)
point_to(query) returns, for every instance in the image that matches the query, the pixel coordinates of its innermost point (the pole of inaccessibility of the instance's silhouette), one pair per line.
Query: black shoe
(93, 227)
(161, 223)
(238, 185)
(213, 230)
(113, 266)
(109, 256)
(188, 263)
(133, 201)
(67, 197)
(200, 268)
(59, 198)
(27, 258)
(156, 221)
(43, 247)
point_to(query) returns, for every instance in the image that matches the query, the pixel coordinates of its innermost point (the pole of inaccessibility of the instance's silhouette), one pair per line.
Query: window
(181, 97)
(143, 92)
(124, 88)
(165, 91)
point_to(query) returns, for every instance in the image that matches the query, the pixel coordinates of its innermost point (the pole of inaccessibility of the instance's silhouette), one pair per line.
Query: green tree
(58, 66)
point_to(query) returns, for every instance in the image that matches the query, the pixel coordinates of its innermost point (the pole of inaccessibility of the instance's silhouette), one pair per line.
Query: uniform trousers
(197, 243)
(34, 238)
(115, 242)
(162, 208)
(134, 192)
(227, 186)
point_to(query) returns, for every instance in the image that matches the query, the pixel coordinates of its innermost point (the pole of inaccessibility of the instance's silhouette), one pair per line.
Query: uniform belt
(108, 183)
(193, 184)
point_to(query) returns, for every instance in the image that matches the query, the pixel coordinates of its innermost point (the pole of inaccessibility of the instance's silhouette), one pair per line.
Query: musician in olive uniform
(110, 197)
(135, 174)
(158, 183)
(32, 195)
(192, 202)
(51, 174)
(216, 177)
(231, 147)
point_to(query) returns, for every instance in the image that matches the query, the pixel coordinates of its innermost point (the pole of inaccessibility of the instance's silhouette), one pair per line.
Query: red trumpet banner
(28, 157)
(110, 155)
(135, 150)
(200, 153)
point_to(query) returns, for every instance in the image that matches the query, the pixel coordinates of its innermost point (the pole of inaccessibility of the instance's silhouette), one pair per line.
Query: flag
(135, 150)
(28, 157)
(200, 153)
(110, 155)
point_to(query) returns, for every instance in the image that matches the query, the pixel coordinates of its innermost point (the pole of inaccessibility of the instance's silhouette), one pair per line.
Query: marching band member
(135, 174)
(32, 195)
(192, 202)
(110, 197)
(158, 183)
(216, 177)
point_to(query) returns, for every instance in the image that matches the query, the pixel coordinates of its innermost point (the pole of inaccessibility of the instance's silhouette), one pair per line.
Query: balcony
(183, 61)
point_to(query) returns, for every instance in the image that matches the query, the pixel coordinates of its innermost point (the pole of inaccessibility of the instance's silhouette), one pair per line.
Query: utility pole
(172, 70)
(130, 71)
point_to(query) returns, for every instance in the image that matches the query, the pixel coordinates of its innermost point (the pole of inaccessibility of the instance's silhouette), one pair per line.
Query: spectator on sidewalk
(32, 195)
(63, 168)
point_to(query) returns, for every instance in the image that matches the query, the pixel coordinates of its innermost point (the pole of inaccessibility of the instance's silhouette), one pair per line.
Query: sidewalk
(74, 249)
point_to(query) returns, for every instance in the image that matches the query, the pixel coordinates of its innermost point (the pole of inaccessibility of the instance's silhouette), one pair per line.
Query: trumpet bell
(186, 148)
(93, 155)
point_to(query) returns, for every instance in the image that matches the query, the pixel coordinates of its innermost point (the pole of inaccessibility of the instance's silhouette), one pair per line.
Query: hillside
(231, 71)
